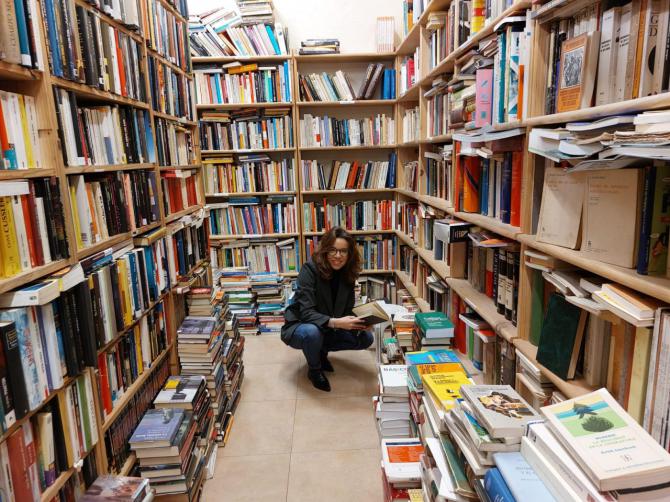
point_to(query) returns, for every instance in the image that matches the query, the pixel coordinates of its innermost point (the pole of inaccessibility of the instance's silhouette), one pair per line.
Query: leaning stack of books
(118, 489)
(270, 299)
(166, 446)
(319, 46)
(433, 330)
(235, 284)
(403, 325)
(392, 405)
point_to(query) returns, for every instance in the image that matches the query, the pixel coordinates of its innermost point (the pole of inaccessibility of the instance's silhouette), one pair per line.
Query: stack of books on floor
(270, 299)
(433, 330)
(401, 469)
(319, 46)
(403, 326)
(236, 285)
(392, 404)
(118, 489)
(233, 374)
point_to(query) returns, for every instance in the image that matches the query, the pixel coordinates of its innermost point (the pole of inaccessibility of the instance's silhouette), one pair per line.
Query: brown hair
(351, 269)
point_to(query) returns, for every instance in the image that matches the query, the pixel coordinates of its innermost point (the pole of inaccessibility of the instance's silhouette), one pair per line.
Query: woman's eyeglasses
(335, 252)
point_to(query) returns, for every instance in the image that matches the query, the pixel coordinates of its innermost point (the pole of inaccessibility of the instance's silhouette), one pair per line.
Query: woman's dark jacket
(313, 302)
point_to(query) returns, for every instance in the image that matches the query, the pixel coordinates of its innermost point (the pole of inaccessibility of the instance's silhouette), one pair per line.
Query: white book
(397, 471)
(51, 345)
(624, 37)
(21, 233)
(547, 472)
(39, 353)
(650, 48)
(608, 55)
(393, 378)
(42, 228)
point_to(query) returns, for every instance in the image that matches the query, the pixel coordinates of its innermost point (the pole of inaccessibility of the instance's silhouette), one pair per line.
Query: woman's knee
(310, 332)
(367, 338)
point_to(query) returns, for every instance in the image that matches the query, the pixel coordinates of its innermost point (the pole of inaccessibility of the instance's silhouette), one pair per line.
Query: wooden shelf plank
(442, 138)
(248, 194)
(163, 59)
(252, 236)
(436, 202)
(128, 465)
(107, 168)
(181, 120)
(353, 232)
(344, 57)
(488, 223)
(409, 144)
(373, 271)
(207, 153)
(350, 147)
(348, 191)
(410, 42)
(229, 59)
(411, 94)
(112, 241)
(31, 275)
(11, 71)
(175, 216)
(356, 103)
(20, 174)
(86, 91)
(237, 106)
(174, 168)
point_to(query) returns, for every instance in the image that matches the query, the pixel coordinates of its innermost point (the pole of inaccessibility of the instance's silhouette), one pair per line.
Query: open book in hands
(371, 313)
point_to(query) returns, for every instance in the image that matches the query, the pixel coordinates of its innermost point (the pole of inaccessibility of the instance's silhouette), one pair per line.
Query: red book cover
(35, 224)
(351, 179)
(4, 140)
(18, 467)
(105, 392)
(517, 173)
(122, 71)
(32, 251)
(459, 331)
(458, 176)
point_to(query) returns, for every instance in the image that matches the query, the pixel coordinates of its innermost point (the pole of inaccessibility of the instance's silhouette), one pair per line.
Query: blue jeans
(314, 341)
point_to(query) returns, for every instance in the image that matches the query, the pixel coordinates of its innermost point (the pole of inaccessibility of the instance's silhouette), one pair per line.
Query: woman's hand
(349, 322)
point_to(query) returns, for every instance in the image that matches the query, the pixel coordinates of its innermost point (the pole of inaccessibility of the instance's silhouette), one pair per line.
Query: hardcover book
(434, 325)
(500, 409)
(117, 489)
(157, 428)
(431, 357)
(180, 391)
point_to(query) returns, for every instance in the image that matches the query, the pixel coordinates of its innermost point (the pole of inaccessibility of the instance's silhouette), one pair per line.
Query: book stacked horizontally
(433, 330)
(270, 299)
(204, 301)
(533, 385)
(401, 467)
(199, 344)
(319, 46)
(165, 443)
(118, 489)
(403, 325)
(392, 404)
(235, 284)
(233, 374)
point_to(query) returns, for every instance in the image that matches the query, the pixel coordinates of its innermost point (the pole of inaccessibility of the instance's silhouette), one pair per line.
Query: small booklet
(371, 313)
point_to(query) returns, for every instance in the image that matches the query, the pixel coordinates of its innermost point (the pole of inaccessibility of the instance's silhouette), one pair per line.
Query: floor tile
(261, 428)
(354, 375)
(248, 479)
(269, 349)
(270, 382)
(335, 476)
(335, 423)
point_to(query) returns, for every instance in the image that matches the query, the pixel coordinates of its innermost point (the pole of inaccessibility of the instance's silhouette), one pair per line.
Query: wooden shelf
(436, 202)
(31, 275)
(230, 59)
(181, 120)
(249, 194)
(348, 191)
(442, 138)
(175, 216)
(355, 103)
(99, 246)
(237, 106)
(569, 388)
(88, 92)
(354, 232)
(289, 274)
(658, 287)
(110, 20)
(411, 94)
(252, 236)
(410, 42)
(174, 11)
(163, 59)
(409, 144)
(447, 64)
(353, 57)
(423, 305)
(207, 153)
(132, 390)
(440, 267)
(11, 71)
(488, 223)
(350, 147)
(128, 464)
(20, 174)
(52, 491)
(107, 168)
(175, 168)
(374, 271)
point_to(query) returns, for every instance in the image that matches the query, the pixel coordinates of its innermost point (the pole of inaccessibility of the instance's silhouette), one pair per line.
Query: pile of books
(119, 489)
(270, 298)
(392, 404)
(403, 325)
(401, 468)
(235, 284)
(233, 375)
(433, 330)
(319, 46)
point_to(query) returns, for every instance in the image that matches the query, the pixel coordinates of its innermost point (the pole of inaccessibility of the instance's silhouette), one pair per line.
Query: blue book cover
(56, 63)
(484, 186)
(431, 357)
(150, 138)
(502, 54)
(180, 254)
(273, 40)
(158, 426)
(520, 478)
(393, 84)
(43, 341)
(495, 487)
(506, 189)
(22, 25)
(59, 338)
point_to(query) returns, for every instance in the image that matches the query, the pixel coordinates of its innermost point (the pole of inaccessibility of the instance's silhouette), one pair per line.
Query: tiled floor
(293, 443)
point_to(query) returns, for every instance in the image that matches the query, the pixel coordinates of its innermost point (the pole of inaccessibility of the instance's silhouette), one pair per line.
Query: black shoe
(319, 380)
(325, 363)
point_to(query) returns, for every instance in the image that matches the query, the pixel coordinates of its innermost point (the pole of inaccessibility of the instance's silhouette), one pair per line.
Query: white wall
(352, 21)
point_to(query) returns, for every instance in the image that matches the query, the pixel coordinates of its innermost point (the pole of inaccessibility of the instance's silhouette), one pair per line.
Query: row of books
(187, 243)
(170, 90)
(377, 253)
(19, 43)
(180, 190)
(354, 215)
(251, 129)
(174, 143)
(441, 42)
(340, 175)
(329, 131)
(411, 125)
(108, 204)
(102, 135)
(249, 83)
(33, 229)
(253, 173)
(85, 48)
(409, 71)
(263, 255)
(438, 107)
(313, 46)
(167, 34)
(338, 87)
(19, 140)
(248, 215)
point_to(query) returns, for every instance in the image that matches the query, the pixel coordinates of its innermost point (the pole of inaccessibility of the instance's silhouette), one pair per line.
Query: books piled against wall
(271, 300)
(409, 71)
(338, 87)
(20, 42)
(251, 173)
(120, 431)
(490, 186)
(249, 83)
(20, 143)
(102, 135)
(188, 245)
(341, 175)
(174, 143)
(329, 131)
(80, 42)
(33, 230)
(260, 255)
(619, 44)
(223, 32)
(319, 46)
(180, 190)
(246, 129)
(354, 215)
(252, 216)
(170, 90)
(108, 204)
(411, 127)
(167, 34)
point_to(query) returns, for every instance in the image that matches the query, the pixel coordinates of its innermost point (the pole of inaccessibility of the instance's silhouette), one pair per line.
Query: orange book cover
(351, 178)
(458, 176)
(517, 173)
(122, 71)
(571, 78)
(639, 56)
(266, 143)
(472, 172)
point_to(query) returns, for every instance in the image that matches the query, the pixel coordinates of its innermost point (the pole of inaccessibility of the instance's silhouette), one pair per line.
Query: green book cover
(456, 468)
(471, 343)
(660, 223)
(536, 307)
(560, 329)
(83, 412)
(433, 321)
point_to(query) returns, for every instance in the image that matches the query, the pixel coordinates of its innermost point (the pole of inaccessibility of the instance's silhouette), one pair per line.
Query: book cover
(445, 388)
(434, 324)
(496, 488)
(561, 208)
(577, 72)
(180, 391)
(520, 478)
(500, 409)
(117, 489)
(589, 425)
(472, 174)
(483, 97)
(157, 428)
(431, 357)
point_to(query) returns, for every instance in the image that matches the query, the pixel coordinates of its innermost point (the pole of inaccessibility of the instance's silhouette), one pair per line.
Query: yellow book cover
(445, 387)
(639, 374)
(125, 294)
(62, 408)
(11, 259)
(138, 350)
(242, 69)
(26, 132)
(426, 369)
(75, 216)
